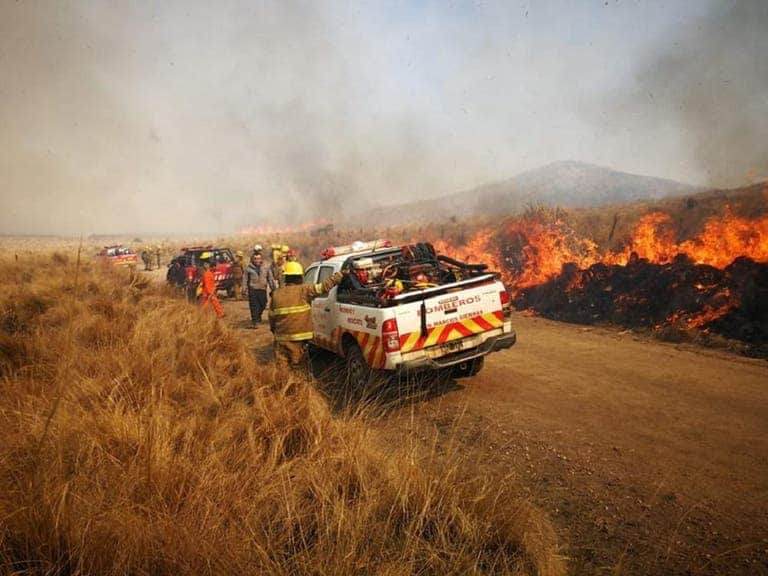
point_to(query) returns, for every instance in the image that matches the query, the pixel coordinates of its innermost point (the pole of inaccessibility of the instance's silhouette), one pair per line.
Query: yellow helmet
(205, 256)
(293, 269)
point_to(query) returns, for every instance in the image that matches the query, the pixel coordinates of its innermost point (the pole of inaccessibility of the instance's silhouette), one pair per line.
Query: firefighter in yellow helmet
(207, 287)
(238, 269)
(290, 312)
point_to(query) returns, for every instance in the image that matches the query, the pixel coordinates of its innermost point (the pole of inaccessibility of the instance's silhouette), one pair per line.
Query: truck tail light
(505, 304)
(390, 336)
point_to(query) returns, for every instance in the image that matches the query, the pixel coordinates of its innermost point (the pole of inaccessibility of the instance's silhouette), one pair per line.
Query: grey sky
(184, 116)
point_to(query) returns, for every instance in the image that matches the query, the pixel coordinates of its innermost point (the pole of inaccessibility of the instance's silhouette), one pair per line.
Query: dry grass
(141, 437)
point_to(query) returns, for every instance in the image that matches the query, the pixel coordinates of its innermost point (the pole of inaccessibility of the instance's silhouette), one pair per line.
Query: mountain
(567, 184)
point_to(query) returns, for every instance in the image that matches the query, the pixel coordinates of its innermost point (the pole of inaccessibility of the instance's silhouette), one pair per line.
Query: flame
(721, 241)
(272, 230)
(545, 248)
(530, 251)
(480, 248)
(653, 239)
(527, 252)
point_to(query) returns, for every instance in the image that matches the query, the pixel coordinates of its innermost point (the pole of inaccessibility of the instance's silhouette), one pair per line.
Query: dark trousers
(257, 300)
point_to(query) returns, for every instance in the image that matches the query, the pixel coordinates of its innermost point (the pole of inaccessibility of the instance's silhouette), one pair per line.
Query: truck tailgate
(443, 318)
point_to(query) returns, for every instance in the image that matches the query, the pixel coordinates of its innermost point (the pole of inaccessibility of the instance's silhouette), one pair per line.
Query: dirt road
(651, 458)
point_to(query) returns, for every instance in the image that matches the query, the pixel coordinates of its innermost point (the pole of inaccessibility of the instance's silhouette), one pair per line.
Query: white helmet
(258, 248)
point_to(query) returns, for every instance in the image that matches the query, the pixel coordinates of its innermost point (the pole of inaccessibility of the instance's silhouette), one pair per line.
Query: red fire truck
(183, 269)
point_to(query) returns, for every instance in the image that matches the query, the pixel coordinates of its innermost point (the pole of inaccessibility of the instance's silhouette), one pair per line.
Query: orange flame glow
(478, 249)
(721, 241)
(529, 252)
(271, 230)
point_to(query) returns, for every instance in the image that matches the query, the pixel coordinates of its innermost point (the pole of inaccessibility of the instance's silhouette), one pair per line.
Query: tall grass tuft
(142, 437)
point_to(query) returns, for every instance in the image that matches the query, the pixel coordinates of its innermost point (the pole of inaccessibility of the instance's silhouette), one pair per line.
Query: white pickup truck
(408, 308)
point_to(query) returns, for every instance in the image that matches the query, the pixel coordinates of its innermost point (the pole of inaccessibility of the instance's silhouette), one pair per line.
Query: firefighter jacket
(290, 313)
(258, 277)
(237, 270)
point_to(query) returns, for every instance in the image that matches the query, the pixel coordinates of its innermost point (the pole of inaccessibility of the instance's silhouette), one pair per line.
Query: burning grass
(140, 436)
(713, 283)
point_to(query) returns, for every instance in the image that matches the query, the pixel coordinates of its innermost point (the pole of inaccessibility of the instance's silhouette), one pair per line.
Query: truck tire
(469, 368)
(360, 378)
(358, 373)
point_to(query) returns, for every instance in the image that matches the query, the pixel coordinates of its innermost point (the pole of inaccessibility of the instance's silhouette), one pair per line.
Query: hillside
(566, 184)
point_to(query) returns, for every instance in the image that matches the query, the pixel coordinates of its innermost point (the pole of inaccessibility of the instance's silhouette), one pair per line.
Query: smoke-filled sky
(200, 117)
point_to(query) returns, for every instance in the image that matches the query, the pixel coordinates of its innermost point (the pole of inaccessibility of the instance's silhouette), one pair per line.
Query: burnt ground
(650, 457)
(667, 298)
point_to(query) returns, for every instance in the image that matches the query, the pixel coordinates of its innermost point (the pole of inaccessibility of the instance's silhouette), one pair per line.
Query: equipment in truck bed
(411, 267)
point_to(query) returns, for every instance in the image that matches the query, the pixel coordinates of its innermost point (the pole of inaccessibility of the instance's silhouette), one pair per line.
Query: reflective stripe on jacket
(290, 315)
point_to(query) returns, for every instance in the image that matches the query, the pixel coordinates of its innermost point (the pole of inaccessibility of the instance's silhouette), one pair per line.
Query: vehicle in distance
(183, 269)
(118, 255)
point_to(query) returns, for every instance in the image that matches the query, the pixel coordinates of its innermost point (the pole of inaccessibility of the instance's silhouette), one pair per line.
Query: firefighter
(279, 252)
(176, 275)
(207, 286)
(157, 254)
(146, 257)
(290, 313)
(238, 269)
(257, 279)
(285, 256)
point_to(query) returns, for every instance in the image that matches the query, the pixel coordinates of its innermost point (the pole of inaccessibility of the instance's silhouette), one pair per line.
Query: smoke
(201, 117)
(712, 84)
(198, 117)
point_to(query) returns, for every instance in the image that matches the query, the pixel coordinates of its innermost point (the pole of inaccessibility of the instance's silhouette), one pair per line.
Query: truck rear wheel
(469, 368)
(360, 378)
